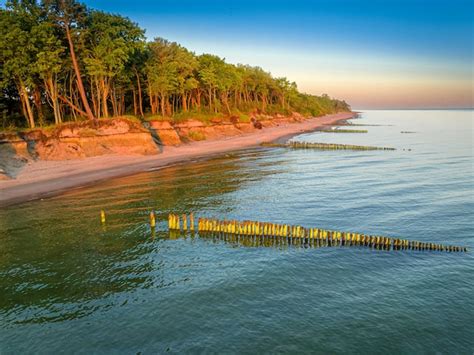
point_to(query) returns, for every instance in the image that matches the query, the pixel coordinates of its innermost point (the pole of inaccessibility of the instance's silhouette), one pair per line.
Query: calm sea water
(67, 284)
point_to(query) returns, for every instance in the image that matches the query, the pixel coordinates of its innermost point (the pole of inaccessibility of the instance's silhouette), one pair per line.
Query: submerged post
(191, 222)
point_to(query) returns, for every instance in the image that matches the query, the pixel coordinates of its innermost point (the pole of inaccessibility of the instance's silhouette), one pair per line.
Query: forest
(62, 61)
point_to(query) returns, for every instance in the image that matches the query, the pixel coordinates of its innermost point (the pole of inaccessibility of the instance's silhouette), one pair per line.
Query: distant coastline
(42, 179)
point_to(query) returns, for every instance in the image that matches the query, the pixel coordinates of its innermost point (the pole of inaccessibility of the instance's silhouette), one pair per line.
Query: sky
(372, 53)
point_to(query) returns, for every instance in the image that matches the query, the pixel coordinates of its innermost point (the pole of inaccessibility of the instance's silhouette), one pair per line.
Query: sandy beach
(42, 179)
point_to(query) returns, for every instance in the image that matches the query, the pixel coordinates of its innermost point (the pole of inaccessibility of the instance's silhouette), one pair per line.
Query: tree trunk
(23, 108)
(140, 100)
(113, 100)
(80, 85)
(93, 98)
(29, 110)
(215, 101)
(162, 105)
(198, 99)
(56, 109)
(184, 100)
(74, 107)
(122, 104)
(99, 98)
(264, 102)
(26, 102)
(210, 99)
(104, 95)
(38, 105)
(168, 107)
(153, 107)
(135, 111)
(225, 100)
(52, 91)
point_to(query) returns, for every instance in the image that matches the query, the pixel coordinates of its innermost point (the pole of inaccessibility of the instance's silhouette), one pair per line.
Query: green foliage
(110, 39)
(148, 118)
(203, 116)
(196, 136)
(18, 54)
(41, 43)
(130, 118)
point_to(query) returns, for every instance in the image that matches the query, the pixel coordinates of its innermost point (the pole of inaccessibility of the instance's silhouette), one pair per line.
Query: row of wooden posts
(322, 146)
(343, 131)
(334, 238)
(206, 226)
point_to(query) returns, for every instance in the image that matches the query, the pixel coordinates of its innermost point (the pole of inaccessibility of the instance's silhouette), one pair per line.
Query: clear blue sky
(373, 53)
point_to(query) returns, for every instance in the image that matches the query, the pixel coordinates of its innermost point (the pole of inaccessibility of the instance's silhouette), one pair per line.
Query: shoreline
(42, 179)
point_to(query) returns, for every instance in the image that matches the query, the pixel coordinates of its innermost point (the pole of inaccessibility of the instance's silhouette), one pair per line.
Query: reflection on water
(278, 241)
(59, 255)
(67, 282)
(252, 241)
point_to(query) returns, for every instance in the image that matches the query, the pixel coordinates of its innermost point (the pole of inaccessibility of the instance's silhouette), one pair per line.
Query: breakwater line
(322, 146)
(298, 234)
(343, 131)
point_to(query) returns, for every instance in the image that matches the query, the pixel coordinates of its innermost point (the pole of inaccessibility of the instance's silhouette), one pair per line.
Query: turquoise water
(68, 284)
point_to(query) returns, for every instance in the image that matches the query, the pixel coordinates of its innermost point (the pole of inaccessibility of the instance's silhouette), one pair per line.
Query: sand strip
(47, 178)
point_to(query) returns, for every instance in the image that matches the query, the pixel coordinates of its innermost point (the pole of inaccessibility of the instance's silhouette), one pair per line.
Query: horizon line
(416, 109)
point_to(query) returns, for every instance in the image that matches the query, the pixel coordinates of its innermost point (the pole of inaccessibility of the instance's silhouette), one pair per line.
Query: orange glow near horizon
(373, 92)
(363, 79)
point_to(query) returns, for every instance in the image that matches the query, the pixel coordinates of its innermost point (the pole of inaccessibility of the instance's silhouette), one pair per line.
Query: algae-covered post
(152, 219)
(191, 222)
(173, 222)
(303, 236)
(322, 146)
(343, 130)
(185, 222)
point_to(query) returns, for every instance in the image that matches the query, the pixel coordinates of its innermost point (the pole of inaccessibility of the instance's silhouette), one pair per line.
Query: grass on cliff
(205, 117)
(196, 136)
(184, 116)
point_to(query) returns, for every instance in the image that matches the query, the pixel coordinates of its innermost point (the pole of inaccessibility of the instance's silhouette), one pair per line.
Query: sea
(70, 284)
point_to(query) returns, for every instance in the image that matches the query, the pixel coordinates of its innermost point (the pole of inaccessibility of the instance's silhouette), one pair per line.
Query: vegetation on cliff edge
(61, 61)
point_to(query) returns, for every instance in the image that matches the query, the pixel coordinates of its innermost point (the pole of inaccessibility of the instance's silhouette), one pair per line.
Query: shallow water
(69, 284)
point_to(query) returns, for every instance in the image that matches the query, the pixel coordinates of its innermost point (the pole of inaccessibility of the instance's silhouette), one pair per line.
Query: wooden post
(185, 223)
(152, 219)
(191, 222)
